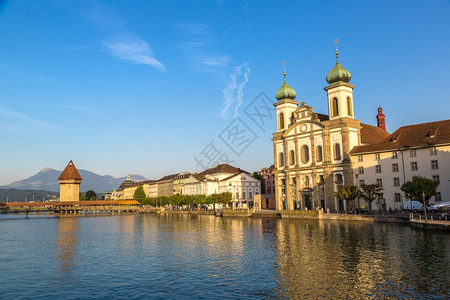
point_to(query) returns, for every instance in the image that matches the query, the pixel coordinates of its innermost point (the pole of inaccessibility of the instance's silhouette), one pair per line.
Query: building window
(250, 194)
(319, 153)
(412, 153)
(394, 167)
(438, 197)
(305, 154)
(361, 182)
(414, 166)
(339, 178)
(322, 180)
(281, 121)
(436, 179)
(378, 169)
(380, 182)
(349, 106)
(292, 118)
(281, 159)
(394, 155)
(433, 151)
(291, 157)
(361, 170)
(377, 156)
(434, 164)
(337, 151)
(335, 107)
(398, 197)
(360, 158)
(396, 181)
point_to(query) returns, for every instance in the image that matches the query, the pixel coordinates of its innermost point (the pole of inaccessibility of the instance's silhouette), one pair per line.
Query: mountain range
(47, 179)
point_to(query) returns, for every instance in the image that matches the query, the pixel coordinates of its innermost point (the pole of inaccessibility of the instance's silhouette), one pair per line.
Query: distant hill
(47, 180)
(14, 195)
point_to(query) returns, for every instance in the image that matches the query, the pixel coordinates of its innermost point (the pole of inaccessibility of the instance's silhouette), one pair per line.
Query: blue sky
(146, 87)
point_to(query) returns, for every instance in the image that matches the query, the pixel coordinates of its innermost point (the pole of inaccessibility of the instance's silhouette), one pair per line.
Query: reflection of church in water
(311, 150)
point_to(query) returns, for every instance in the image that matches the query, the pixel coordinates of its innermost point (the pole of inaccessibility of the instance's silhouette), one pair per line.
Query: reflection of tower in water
(66, 243)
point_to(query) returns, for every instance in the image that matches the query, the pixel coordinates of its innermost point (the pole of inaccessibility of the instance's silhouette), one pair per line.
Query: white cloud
(133, 49)
(234, 92)
(199, 40)
(16, 121)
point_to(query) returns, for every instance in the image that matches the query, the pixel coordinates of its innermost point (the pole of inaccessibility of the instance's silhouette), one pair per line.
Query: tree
(347, 192)
(370, 192)
(260, 178)
(417, 187)
(139, 193)
(82, 197)
(90, 195)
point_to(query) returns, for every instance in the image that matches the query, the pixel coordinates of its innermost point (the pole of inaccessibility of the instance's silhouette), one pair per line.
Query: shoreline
(302, 215)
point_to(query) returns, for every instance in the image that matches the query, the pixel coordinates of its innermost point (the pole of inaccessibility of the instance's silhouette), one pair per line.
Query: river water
(147, 256)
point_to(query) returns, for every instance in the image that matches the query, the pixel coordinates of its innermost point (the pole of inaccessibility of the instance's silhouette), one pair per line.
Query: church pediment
(303, 127)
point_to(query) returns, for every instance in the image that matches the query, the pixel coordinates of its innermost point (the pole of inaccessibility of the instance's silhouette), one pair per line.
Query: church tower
(380, 119)
(286, 105)
(339, 92)
(69, 184)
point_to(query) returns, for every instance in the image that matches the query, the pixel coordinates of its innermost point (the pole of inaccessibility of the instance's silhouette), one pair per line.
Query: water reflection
(358, 261)
(66, 246)
(176, 256)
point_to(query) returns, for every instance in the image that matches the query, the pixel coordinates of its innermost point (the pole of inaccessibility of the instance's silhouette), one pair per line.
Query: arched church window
(305, 154)
(291, 157)
(349, 106)
(281, 159)
(337, 151)
(335, 107)
(319, 153)
(292, 118)
(281, 121)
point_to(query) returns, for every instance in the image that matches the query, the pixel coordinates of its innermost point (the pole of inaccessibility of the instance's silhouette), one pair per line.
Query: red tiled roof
(372, 134)
(412, 136)
(70, 172)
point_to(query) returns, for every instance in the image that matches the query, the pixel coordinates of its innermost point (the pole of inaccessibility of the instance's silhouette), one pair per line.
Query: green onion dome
(338, 73)
(285, 91)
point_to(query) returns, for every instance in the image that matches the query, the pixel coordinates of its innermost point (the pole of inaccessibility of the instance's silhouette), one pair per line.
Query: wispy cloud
(234, 92)
(197, 49)
(133, 49)
(124, 45)
(13, 121)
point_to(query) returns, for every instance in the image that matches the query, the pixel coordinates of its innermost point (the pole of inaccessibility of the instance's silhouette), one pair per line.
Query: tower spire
(284, 70)
(336, 41)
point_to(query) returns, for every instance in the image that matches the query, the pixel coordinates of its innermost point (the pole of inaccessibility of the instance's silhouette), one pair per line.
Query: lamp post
(424, 206)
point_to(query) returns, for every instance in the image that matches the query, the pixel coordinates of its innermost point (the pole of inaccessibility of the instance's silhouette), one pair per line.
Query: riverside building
(315, 153)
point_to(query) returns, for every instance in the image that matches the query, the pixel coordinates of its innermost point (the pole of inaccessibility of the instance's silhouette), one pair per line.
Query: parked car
(360, 211)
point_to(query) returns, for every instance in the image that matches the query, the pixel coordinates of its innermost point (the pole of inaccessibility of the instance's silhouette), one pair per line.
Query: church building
(312, 150)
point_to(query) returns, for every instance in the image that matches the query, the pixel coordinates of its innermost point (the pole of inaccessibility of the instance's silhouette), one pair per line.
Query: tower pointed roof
(338, 73)
(285, 91)
(70, 172)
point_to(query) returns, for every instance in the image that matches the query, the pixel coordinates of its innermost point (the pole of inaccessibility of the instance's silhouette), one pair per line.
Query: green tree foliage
(90, 195)
(370, 192)
(139, 193)
(82, 197)
(260, 178)
(347, 192)
(415, 188)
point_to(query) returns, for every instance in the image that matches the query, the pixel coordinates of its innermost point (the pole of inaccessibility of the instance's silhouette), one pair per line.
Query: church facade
(312, 151)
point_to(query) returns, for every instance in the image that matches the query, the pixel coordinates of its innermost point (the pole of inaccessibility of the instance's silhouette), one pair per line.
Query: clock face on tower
(303, 128)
